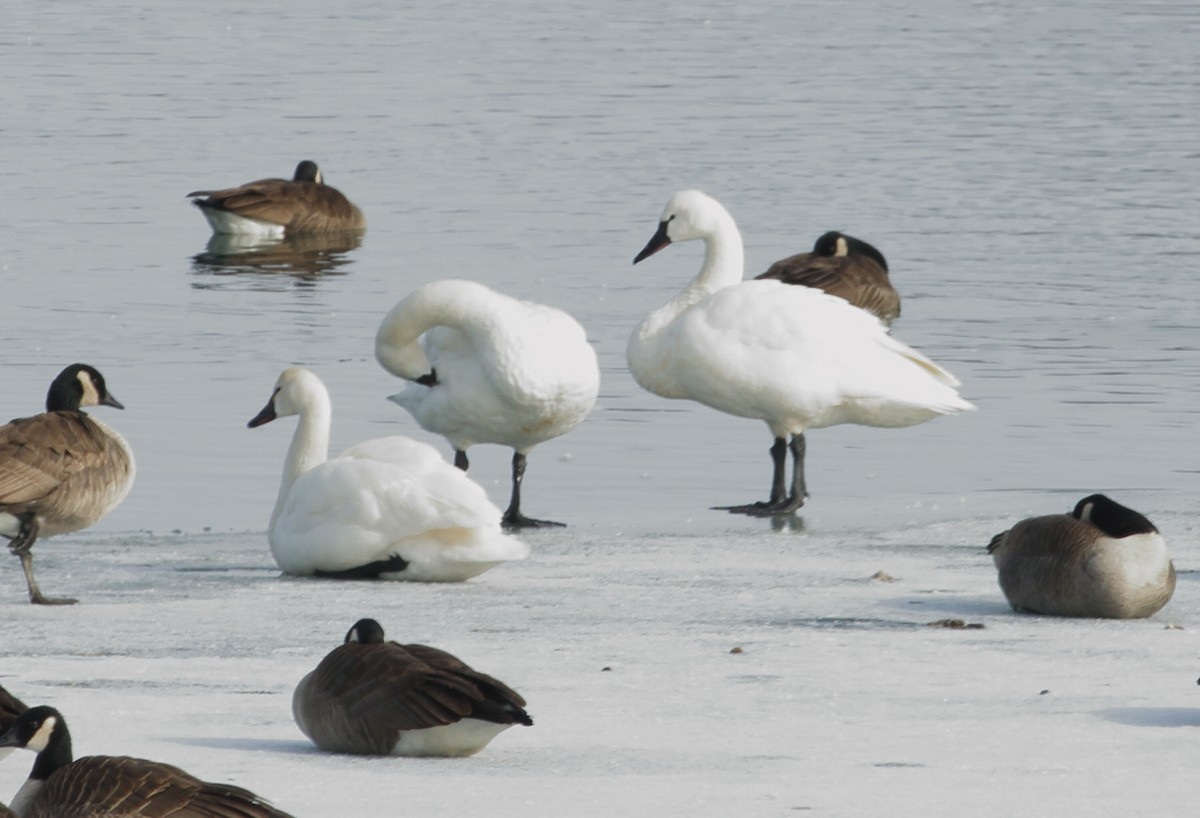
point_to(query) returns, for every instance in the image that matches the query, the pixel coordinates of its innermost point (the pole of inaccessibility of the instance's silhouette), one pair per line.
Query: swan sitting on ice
(794, 357)
(388, 508)
(491, 369)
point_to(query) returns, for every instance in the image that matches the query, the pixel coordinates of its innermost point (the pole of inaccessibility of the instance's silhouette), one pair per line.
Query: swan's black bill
(657, 242)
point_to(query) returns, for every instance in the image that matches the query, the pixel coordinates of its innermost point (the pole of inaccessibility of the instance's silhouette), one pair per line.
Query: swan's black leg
(780, 501)
(372, 570)
(513, 518)
(460, 459)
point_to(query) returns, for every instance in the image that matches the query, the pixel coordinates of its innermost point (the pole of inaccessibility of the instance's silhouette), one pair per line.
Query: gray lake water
(1031, 174)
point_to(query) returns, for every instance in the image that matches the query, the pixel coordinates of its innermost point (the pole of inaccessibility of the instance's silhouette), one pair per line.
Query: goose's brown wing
(361, 697)
(501, 704)
(120, 786)
(298, 206)
(859, 279)
(39, 454)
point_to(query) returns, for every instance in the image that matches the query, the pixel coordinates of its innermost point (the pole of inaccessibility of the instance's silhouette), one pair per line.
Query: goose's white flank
(793, 357)
(388, 508)
(487, 368)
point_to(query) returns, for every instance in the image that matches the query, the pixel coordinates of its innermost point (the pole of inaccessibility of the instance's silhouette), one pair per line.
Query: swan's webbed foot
(371, 570)
(516, 519)
(788, 505)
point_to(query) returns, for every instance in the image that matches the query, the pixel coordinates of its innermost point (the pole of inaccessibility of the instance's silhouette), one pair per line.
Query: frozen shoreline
(842, 701)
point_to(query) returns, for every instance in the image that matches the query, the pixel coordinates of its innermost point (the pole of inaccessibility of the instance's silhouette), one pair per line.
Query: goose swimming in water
(1102, 560)
(271, 208)
(388, 508)
(486, 368)
(61, 786)
(374, 697)
(844, 266)
(793, 357)
(62, 470)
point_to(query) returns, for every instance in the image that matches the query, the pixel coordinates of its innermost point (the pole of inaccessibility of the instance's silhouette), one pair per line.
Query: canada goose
(1102, 560)
(272, 207)
(387, 508)
(844, 266)
(62, 470)
(794, 357)
(492, 369)
(60, 786)
(374, 697)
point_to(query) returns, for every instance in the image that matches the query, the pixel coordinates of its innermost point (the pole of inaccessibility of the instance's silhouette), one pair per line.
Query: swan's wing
(384, 490)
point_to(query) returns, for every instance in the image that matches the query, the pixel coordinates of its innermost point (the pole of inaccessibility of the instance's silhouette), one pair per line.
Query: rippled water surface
(1031, 175)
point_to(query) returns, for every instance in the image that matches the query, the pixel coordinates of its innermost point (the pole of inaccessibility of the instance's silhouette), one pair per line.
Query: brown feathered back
(136, 788)
(303, 204)
(846, 267)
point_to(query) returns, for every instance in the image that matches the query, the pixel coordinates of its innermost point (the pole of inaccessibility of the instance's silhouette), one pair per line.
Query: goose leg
(781, 501)
(513, 518)
(21, 546)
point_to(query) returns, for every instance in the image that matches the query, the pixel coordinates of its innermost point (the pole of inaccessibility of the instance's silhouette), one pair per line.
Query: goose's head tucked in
(1101, 560)
(273, 208)
(388, 508)
(375, 697)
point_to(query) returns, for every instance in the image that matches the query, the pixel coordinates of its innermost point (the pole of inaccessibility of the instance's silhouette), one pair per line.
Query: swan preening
(844, 266)
(62, 470)
(271, 208)
(387, 508)
(487, 368)
(60, 785)
(1102, 560)
(374, 697)
(794, 357)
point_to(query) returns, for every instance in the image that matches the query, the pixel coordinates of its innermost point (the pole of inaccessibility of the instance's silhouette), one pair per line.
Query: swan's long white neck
(463, 305)
(309, 447)
(724, 266)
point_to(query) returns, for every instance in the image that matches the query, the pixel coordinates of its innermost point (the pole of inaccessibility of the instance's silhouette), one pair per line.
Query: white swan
(491, 369)
(390, 507)
(794, 357)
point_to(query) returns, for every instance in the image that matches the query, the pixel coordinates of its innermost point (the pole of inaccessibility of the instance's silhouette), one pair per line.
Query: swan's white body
(379, 499)
(509, 372)
(487, 368)
(792, 356)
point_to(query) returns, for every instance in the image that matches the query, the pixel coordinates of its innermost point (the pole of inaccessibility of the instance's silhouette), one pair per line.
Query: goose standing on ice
(270, 208)
(60, 785)
(844, 266)
(388, 508)
(1102, 560)
(62, 470)
(794, 357)
(373, 697)
(491, 369)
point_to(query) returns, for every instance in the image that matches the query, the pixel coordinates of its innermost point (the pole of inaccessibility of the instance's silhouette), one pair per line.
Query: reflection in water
(305, 258)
